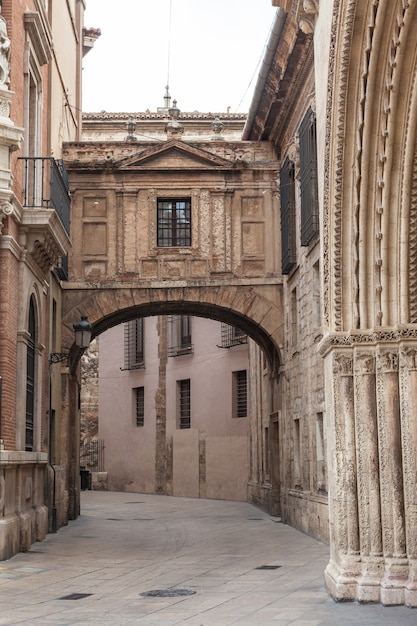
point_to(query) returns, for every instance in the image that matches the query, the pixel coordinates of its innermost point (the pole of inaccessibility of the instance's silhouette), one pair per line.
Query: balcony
(45, 185)
(46, 200)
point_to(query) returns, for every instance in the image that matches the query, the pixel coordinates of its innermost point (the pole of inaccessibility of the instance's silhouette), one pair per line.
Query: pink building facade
(173, 407)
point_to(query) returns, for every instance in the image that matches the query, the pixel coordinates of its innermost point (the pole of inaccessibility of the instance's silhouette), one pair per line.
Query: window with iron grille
(308, 179)
(232, 336)
(240, 394)
(140, 405)
(179, 335)
(287, 190)
(134, 344)
(184, 404)
(174, 222)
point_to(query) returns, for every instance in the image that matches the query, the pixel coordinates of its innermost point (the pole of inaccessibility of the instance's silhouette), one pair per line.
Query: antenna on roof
(167, 99)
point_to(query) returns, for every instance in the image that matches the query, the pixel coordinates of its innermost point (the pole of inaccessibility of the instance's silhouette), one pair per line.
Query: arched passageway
(247, 309)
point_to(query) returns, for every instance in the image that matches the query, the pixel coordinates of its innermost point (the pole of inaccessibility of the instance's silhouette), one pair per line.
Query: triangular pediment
(174, 155)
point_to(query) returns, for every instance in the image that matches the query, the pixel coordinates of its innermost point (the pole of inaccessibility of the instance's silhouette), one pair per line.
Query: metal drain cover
(167, 593)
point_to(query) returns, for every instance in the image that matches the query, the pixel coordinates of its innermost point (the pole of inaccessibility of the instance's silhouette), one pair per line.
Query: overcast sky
(211, 54)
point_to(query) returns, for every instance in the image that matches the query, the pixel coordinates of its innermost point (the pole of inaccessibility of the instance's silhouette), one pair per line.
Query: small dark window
(308, 179)
(240, 394)
(287, 189)
(140, 405)
(174, 222)
(184, 388)
(134, 344)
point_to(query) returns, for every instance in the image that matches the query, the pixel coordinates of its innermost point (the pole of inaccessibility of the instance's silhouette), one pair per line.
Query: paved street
(235, 563)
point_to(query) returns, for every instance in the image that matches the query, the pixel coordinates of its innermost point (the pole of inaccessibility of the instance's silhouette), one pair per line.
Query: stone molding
(40, 36)
(367, 337)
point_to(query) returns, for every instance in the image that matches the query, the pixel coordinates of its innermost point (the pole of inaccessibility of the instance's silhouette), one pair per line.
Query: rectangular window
(184, 404)
(240, 394)
(140, 405)
(232, 336)
(179, 335)
(174, 222)
(287, 190)
(134, 344)
(308, 179)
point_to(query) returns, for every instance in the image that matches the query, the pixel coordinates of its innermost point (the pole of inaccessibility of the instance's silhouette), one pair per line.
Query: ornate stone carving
(293, 153)
(409, 355)
(217, 127)
(388, 361)
(365, 363)
(174, 129)
(412, 252)
(6, 209)
(4, 53)
(307, 15)
(343, 365)
(367, 337)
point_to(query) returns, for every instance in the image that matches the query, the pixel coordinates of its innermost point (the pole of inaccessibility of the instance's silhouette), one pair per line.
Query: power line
(169, 41)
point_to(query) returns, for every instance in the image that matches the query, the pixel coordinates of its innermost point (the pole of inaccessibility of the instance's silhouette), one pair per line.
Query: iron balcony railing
(45, 185)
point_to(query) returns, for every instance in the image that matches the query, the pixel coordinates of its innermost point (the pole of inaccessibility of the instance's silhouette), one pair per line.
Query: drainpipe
(1, 391)
(54, 510)
(271, 47)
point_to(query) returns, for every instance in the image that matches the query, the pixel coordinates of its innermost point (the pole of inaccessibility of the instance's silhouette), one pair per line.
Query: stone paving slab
(125, 544)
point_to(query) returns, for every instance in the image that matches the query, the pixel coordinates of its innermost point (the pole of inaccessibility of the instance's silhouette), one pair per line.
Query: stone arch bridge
(126, 197)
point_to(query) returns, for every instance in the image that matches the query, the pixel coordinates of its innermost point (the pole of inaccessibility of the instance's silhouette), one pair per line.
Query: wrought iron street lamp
(82, 332)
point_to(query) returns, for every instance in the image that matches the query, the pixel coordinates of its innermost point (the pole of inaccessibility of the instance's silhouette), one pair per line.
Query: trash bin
(85, 479)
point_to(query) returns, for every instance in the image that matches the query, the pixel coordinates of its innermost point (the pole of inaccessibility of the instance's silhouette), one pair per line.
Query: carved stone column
(344, 566)
(408, 403)
(372, 430)
(391, 474)
(368, 475)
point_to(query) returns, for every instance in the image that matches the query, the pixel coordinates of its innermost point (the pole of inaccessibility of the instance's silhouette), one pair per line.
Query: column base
(372, 581)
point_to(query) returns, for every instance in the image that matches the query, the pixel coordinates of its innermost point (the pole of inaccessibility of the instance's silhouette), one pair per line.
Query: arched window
(30, 377)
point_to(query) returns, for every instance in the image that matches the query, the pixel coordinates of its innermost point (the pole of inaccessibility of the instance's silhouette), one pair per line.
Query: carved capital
(343, 365)
(388, 361)
(365, 363)
(409, 356)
